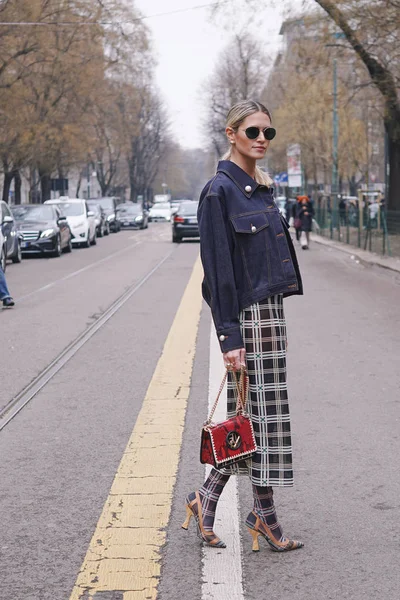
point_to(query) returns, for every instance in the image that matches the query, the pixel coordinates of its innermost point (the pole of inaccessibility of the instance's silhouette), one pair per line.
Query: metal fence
(371, 228)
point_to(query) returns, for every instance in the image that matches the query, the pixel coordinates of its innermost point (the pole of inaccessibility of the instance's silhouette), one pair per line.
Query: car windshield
(188, 208)
(33, 213)
(106, 202)
(163, 205)
(135, 209)
(73, 209)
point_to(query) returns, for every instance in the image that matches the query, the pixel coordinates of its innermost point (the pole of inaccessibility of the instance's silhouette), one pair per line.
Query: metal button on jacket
(221, 338)
(247, 188)
(253, 228)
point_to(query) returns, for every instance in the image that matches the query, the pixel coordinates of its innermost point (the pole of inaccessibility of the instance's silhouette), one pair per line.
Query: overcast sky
(187, 46)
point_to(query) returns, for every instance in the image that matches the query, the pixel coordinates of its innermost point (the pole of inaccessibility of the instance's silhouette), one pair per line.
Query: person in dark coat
(296, 220)
(342, 211)
(304, 216)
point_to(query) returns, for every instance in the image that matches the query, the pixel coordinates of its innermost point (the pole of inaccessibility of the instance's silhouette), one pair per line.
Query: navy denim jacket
(246, 249)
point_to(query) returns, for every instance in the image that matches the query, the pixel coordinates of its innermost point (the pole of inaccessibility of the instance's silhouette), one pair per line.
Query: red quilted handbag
(230, 441)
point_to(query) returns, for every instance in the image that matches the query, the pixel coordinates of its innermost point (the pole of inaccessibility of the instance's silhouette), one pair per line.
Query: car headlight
(139, 218)
(47, 233)
(111, 217)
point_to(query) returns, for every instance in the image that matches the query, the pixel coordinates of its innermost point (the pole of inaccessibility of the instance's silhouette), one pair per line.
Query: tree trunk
(133, 189)
(17, 187)
(8, 177)
(393, 197)
(384, 80)
(45, 185)
(104, 186)
(78, 187)
(352, 186)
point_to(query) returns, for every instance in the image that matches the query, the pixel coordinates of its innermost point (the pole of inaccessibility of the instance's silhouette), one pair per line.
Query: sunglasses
(253, 133)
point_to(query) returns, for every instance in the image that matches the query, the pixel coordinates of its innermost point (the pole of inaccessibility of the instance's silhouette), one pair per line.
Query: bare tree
(379, 50)
(372, 31)
(239, 75)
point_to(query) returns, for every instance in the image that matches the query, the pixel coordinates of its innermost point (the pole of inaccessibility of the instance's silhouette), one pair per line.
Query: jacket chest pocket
(251, 229)
(251, 232)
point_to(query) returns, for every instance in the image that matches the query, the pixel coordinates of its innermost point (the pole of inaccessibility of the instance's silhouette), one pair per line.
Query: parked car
(10, 241)
(184, 222)
(44, 230)
(133, 215)
(102, 225)
(160, 212)
(175, 204)
(109, 206)
(80, 219)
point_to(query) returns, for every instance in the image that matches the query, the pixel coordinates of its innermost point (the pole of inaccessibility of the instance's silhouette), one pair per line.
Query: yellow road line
(124, 552)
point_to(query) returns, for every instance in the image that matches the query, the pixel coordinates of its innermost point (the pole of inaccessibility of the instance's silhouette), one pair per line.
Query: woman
(249, 266)
(304, 214)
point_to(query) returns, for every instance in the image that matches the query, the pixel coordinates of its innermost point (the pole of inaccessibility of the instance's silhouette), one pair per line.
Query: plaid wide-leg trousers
(263, 329)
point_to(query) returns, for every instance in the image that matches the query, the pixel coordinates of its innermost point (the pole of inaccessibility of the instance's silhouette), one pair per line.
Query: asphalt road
(59, 456)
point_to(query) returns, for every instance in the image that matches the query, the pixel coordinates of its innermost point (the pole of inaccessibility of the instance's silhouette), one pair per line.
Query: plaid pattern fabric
(264, 507)
(263, 329)
(209, 493)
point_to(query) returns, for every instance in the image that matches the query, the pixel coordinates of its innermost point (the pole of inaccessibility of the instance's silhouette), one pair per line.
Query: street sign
(294, 165)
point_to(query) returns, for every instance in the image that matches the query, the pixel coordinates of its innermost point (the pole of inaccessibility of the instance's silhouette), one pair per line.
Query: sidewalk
(364, 257)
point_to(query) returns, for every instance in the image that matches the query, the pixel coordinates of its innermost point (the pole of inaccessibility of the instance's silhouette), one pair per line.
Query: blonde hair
(236, 116)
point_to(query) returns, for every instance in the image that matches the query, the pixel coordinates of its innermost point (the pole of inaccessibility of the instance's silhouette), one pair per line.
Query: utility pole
(88, 182)
(335, 170)
(367, 149)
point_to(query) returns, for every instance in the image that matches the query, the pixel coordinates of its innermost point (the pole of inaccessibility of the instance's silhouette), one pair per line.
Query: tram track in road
(77, 272)
(14, 406)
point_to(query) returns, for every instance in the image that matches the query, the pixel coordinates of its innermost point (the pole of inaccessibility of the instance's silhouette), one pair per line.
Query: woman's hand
(235, 358)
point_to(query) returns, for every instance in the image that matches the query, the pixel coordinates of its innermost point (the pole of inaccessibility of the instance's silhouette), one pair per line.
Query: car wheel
(57, 252)
(107, 229)
(3, 260)
(176, 238)
(87, 243)
(68, 247)
(101, 231)
(17, 258)
(94, 240)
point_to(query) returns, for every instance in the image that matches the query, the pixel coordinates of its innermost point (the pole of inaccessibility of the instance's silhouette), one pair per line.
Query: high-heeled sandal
(193, 509)
(258, 527)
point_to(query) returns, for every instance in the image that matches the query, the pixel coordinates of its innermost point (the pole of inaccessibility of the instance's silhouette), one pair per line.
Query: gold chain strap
(241, 388)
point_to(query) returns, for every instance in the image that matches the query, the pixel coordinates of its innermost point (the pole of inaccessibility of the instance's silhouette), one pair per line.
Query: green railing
(371, 228)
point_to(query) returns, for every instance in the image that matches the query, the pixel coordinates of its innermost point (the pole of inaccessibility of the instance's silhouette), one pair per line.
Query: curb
(365, 258)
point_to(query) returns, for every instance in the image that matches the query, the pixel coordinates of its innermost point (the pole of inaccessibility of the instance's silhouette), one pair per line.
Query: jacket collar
(244, 182)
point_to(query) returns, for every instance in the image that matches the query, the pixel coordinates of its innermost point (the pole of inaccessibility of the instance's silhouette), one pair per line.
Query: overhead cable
(127, 22)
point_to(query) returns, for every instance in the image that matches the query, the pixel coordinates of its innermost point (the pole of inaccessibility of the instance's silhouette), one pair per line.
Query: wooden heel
(254, 535)
(189, 515)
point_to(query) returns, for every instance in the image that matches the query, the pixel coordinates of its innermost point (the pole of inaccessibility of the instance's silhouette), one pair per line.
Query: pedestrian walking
(249, 266)
(296, 220)
(342, 211)
(5, 295)
(303, 221)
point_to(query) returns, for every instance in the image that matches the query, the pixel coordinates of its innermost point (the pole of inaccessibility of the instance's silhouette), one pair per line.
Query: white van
(80, 218)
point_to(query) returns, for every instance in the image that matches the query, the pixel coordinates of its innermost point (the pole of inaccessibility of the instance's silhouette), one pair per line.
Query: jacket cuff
(230, 339)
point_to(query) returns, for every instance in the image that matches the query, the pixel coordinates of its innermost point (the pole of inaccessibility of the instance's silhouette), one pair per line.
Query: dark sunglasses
(253, 133)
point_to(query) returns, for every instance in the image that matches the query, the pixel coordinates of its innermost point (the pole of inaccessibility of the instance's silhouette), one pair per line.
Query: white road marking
(74, 273)
(222, 569)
